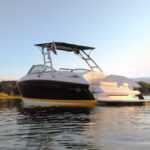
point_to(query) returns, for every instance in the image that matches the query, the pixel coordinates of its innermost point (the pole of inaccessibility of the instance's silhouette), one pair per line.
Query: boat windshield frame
(76, 70)
(44, 68)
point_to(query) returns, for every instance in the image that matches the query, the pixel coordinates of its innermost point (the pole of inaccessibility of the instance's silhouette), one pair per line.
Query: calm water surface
(64, 128)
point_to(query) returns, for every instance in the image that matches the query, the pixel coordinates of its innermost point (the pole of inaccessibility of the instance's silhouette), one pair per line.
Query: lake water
(65, 128)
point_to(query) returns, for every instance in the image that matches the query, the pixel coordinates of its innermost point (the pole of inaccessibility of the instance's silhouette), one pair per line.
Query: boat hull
(29, 102)
(49, 92)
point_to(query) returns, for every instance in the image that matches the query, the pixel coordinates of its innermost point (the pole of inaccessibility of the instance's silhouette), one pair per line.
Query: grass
(4, 95)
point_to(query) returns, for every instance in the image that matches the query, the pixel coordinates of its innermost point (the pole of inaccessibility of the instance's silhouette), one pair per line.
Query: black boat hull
(55, 90)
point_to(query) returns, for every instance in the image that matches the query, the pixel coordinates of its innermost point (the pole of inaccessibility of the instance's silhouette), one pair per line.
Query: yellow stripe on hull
(63, 101)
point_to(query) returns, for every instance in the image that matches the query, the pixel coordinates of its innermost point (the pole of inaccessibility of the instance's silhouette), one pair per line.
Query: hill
(144, 79)
(121, 79)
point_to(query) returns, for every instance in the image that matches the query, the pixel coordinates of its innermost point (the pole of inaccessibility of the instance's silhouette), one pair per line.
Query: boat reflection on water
(75, 128)
(45, 127)
(56, 127)
(56, 110)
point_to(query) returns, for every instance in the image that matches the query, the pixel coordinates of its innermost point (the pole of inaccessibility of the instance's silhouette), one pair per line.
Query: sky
(118, 29)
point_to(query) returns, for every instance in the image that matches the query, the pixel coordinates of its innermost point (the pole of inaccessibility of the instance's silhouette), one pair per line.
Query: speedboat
(43, 85)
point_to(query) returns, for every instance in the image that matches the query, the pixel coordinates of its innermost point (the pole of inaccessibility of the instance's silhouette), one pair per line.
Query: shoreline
(10, 97)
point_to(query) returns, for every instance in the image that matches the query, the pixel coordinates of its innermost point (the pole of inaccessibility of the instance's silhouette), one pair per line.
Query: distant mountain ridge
(120, 80)
(144, 79)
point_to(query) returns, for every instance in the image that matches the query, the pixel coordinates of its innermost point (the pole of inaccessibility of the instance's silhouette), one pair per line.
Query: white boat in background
(44, 86)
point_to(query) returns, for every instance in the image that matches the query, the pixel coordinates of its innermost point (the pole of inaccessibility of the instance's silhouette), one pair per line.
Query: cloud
(8, 77)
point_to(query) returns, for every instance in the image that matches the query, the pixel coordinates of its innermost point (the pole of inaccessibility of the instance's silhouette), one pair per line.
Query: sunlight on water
(64, 128)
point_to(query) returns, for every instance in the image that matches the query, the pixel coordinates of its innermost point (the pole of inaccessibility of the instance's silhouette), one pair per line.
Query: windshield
(65, 70)
(73, 70)
(39, 69)
(80, 70)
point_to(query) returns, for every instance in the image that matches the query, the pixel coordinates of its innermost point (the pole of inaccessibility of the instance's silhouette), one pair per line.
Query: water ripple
(65, 128)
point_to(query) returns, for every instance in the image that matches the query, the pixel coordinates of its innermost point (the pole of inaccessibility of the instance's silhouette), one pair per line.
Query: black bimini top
(65, 46)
